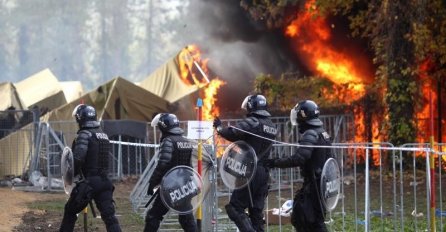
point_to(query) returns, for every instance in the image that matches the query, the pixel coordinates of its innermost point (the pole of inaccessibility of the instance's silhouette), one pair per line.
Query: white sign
(199, 130)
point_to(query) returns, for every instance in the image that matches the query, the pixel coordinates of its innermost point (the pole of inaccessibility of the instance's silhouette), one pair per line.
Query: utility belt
(95, 172)
(261, 163)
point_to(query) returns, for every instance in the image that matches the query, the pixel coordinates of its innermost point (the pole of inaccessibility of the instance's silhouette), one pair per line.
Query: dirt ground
(42, 211)
(14, 206)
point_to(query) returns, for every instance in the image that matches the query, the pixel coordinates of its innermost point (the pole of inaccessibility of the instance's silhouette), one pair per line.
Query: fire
(194, 71)
(311, 37)
(190, 56)
(425, 130)
(423, 114)
(209, 102)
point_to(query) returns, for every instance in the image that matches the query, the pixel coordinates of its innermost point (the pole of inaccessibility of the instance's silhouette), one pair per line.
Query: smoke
(238, 48)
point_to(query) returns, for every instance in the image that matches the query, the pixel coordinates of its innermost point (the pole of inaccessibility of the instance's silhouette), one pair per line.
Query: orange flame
(210, 110)
(311, 36)
(423, 115)
(194, 71)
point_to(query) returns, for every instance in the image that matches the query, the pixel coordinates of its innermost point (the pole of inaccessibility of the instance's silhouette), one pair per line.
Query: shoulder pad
(250, 122)
(84, 134)
(167, 141)
(310, 134)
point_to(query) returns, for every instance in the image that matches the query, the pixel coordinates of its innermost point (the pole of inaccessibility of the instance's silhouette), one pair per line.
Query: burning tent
(167, 81)
(179, 81)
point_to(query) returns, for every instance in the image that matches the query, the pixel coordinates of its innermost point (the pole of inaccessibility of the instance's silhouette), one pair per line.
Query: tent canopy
(166, 81)
(9, 96)
(116, 99)
(72, 90)
(42, 90)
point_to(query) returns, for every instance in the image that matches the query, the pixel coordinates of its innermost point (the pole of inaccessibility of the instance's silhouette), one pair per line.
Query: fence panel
(384, 188)
(16, 141)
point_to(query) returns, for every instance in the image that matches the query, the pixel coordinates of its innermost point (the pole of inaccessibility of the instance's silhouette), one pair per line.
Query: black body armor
(92, 151)
(259, 125)
(308, 211)
(174, 150)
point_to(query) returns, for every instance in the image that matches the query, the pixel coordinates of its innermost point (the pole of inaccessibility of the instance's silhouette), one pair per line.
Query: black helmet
(256, 104)
(167, 123)
(85, 116)
(306, 112)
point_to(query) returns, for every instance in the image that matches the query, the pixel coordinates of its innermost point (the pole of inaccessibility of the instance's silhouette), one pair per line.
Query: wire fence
(31, 146)
(384, 188)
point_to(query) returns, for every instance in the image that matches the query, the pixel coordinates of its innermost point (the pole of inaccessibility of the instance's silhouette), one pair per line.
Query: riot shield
(180, 189)
(67, 170)
(238, 165)
(330, 184)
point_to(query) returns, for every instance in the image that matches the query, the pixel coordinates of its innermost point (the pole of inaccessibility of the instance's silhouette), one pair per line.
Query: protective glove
(269, 163)
(150, 190)
(217, 122)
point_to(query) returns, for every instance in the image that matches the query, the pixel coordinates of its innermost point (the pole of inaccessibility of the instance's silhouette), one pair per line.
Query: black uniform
(174, 150)
(91, 151)
(308, 211)
(240, 199)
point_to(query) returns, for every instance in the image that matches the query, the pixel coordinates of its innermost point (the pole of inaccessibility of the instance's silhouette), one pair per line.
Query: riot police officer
(257, 122)
(308, 211)
(174, 150)
(91, 153)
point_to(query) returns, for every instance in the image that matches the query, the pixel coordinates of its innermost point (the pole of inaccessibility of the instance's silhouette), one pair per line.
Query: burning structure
(310, 45)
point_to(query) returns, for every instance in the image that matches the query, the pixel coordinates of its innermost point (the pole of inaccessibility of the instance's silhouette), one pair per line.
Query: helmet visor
(293, 116)
(75, 110)
(155, 120)
(245, 103)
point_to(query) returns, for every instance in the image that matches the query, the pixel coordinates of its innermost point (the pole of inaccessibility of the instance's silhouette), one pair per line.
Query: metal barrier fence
(34, 147)
(384, 188)
(16, 141)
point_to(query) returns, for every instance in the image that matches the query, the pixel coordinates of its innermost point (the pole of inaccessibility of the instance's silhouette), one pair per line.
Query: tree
(402, 35)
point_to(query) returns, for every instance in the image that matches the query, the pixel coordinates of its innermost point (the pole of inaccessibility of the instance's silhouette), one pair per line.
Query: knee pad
(240, 219)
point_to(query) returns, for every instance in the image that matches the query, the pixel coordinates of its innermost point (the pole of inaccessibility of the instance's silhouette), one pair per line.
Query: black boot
(68, 222)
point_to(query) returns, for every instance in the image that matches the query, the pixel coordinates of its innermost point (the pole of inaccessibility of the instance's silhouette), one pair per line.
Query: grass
(131, 221)
(53, 205)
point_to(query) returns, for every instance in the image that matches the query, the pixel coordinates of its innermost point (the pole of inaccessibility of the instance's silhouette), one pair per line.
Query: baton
(93, 211)
(153, 197)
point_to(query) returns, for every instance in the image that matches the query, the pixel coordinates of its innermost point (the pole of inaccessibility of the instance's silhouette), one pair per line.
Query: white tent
(42, 90)
(72, 90)
(9, 96)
